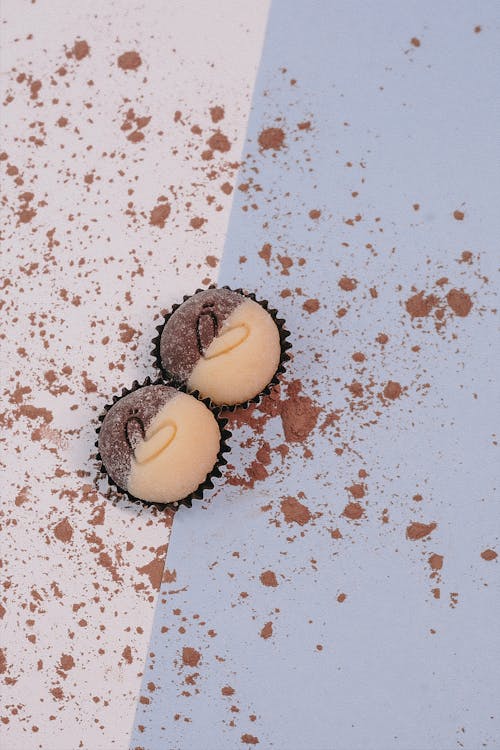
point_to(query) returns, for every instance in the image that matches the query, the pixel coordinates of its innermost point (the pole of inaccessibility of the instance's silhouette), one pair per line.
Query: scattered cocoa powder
(190, 656)
(249, 739)
(159, 215)
(80, 49)
(353, 511)
(420, 306)
(489, 554)
(311, 305)
(392, 390)
(418, 530)
(63, 531)
(347, 284)
(271, 138)
(295, 512)
(267, 631)
(129, 61)
(436, 561)
(460, 302)
(217, 114)
(268, 578)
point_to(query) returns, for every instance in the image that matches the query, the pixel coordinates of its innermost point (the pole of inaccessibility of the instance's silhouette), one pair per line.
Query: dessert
(161, 445)
(223, 344)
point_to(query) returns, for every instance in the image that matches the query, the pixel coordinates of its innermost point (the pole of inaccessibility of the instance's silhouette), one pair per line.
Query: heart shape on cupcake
(148, 449)
(227, 341)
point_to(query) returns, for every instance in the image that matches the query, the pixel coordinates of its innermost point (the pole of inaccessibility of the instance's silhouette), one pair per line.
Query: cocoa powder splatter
(420, 306)
(249, 739)
(227, 690)
(190, 656)
(271, 138)
(347, 284)
(436, 561)
(219, 142)
(489, 554)
(129, 61)
(127, 654)
(268, 578)
(294, 511)
(63, 531)
(418, 530)
(154, 569)
(392, 390)
(80, 49)
(267, 631)
(159, 215)
(3, 661)
(67, 662)
(217, 114)
(458, 215)
(299, 415)
(311, 305)
(460, 302)
(353, 511)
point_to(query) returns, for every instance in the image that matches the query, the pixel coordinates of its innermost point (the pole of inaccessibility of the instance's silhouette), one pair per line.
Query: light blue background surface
(424, 122)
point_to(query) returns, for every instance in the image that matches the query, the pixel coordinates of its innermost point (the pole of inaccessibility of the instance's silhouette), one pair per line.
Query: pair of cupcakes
(164, 442)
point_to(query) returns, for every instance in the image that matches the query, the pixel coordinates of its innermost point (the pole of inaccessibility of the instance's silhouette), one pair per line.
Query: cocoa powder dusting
(294, 511)
(267, 631)
(268, 578)
(489, 554)
(190, 656)
(129, 61)
(159, 215)
(418, 530)
(271, 138)
(63, 531)
(460, 302)
(353, 511)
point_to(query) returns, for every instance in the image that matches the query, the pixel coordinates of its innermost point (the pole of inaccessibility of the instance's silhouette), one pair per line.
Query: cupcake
(223, 344)
(161, 445)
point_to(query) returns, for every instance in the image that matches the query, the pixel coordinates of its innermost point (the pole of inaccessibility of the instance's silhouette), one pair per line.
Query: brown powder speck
(211, 261)
(489, 554)
(436, 561)
(341, 598)
(299, 416)
(419, 306)
(294, 511)
(154, 569)
(271, 138)
(226, 188)
(314, 213)
(417, 530)
(227, 690)
(80, 49)
(304, 125)
(415, 42)
(249, 739)
(127, 654)
(197, 222)
(265, 253)
(353, 511)
(458, 215)
(159, 215)
(217, 114)
(311, 305)
(347, 284)
(129, 61)
(190, 656)
(127, 333)
(392, 390)
(268, 578)
(357, 491)
(267, 631)
(67, 662)
(219, 142)
(460, 302)
(63, 531)
(3, 661)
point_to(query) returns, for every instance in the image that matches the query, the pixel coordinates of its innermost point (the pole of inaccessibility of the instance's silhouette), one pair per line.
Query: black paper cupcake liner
(207, 484)
(285, 345)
